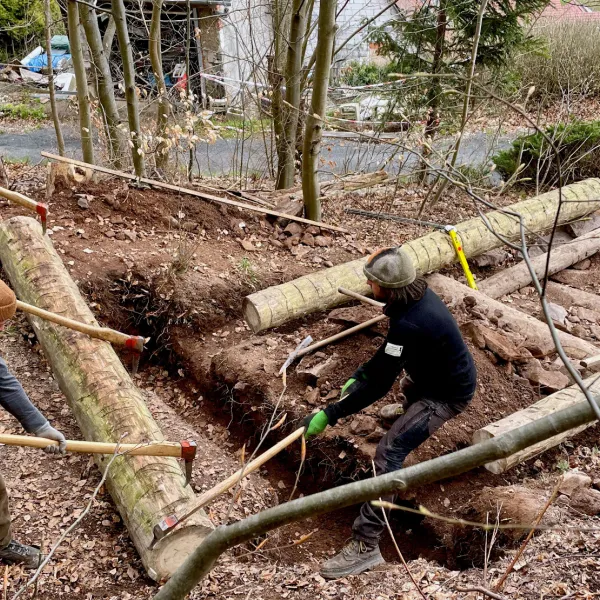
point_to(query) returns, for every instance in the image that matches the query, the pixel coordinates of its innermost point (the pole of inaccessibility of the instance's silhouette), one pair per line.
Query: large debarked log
(103, 398)
(517, 277)
(319, 291)
(532, 329)
(546, 406)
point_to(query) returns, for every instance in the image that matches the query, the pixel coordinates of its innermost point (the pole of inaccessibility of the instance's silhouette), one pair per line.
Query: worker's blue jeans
(421, 419)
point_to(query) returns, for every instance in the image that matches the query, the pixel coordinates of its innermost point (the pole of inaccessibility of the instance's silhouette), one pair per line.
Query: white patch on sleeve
(393, 350)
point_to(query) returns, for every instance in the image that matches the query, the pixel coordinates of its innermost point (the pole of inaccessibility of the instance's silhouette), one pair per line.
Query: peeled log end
(172, 551)
(251, 314)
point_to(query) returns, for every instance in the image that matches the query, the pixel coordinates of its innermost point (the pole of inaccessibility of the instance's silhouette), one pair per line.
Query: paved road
(228, 156)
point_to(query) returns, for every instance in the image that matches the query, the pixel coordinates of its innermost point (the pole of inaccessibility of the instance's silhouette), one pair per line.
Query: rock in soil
(493, 258)
(363, 425)
(583, 265)
(516, 504)
(390, 412)
(557, 313)
(500, 345)
(549, 381)
(586, 501)
(574, 481)
(585, 225)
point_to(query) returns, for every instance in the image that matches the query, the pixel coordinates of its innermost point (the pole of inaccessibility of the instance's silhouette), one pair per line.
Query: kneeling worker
(440, 380)
(14, 400)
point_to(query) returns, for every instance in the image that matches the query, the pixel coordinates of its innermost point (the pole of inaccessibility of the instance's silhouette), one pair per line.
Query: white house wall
(247, 35)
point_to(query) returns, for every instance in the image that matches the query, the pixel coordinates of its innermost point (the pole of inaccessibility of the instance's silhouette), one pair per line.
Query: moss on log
(103, 398)
(279, 304)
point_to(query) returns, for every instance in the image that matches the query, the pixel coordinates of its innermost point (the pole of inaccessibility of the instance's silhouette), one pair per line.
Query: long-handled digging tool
(185, 449)
(133, 343)
(37, 207)
(166, 525)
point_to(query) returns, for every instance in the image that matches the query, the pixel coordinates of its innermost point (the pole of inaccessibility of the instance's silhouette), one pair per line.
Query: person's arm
(374, 379)
(15, 401)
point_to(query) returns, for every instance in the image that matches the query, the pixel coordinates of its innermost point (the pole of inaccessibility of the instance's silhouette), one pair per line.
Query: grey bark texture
(315, 120)
(83, 98)
(60, 141)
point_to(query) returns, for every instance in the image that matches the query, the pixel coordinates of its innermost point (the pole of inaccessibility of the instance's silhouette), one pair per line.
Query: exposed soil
(211, 379)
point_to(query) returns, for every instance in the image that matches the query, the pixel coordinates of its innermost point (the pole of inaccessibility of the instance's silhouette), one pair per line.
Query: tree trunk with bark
(546, 406)
(279, 304)
(435, 91)
(60, 141)
(133, 109)
(517, 277)
(293, 93)
(162, 113)
(104, 80)
(103, 398)
(313, 131)
(83, 99)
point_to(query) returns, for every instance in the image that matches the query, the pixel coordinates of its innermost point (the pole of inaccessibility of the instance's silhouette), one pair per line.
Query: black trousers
(421, 419)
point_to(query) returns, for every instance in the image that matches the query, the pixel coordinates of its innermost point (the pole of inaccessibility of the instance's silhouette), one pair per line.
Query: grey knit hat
(390, 268)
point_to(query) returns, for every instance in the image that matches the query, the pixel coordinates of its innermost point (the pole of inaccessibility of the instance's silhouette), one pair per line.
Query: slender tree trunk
(434, 95)
(83, 99)
(293, 93)
(162, 114)
(276, 81)
(133, 110)
(314, 121)
(57, 128)
(106, 93)
(109, 36)
(466, 101)
(188, 85)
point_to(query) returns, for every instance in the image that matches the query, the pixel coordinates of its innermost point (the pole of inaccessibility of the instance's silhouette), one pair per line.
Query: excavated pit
(232, 389)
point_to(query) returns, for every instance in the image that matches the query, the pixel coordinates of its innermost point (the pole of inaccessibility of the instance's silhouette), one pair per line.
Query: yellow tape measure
(451, 231)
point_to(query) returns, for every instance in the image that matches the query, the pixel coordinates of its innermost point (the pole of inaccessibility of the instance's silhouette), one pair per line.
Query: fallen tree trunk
(535, 332)
(546, 406)
(318, 291)
(203, 559)
(517, 277)
(567, 296)
(103, 398)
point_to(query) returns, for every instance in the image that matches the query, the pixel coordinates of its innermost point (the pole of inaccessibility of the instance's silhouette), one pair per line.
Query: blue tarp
(39, 62)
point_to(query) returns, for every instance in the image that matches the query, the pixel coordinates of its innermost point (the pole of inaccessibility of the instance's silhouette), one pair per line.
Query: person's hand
(47, 431)
(348, 388)
(315, 423)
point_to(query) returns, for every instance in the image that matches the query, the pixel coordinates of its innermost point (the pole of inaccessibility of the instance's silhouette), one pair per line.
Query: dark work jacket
(424, 340)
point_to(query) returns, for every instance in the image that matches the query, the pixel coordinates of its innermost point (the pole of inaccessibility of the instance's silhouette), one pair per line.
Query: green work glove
(315, 423)
(348, 388)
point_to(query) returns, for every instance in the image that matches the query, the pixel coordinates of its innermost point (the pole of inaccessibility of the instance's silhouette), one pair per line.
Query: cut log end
(172, 551)
(252, 316)
(497, 466)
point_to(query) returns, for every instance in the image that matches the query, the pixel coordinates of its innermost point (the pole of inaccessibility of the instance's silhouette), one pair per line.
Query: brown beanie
(8, 302)
(390, 268)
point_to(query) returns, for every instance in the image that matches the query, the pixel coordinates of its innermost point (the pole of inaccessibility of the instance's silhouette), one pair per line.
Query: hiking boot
(354, 558)
(390, 412)
(16, 552)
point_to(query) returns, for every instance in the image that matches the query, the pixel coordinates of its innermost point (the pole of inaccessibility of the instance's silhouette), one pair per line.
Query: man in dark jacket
(14, 400)
(440, 380)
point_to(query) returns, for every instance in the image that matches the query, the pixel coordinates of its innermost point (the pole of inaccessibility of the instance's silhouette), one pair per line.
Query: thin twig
(481, 590)
(387, 523)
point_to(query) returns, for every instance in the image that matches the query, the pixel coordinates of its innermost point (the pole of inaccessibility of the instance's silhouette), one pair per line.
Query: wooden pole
(207, 497)
(279, 304)
(37, 207)
(149, 449)
(517, 277)
(104, 400)
(182, 190)
(100, 333)
(360, 297)
(341, 335)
